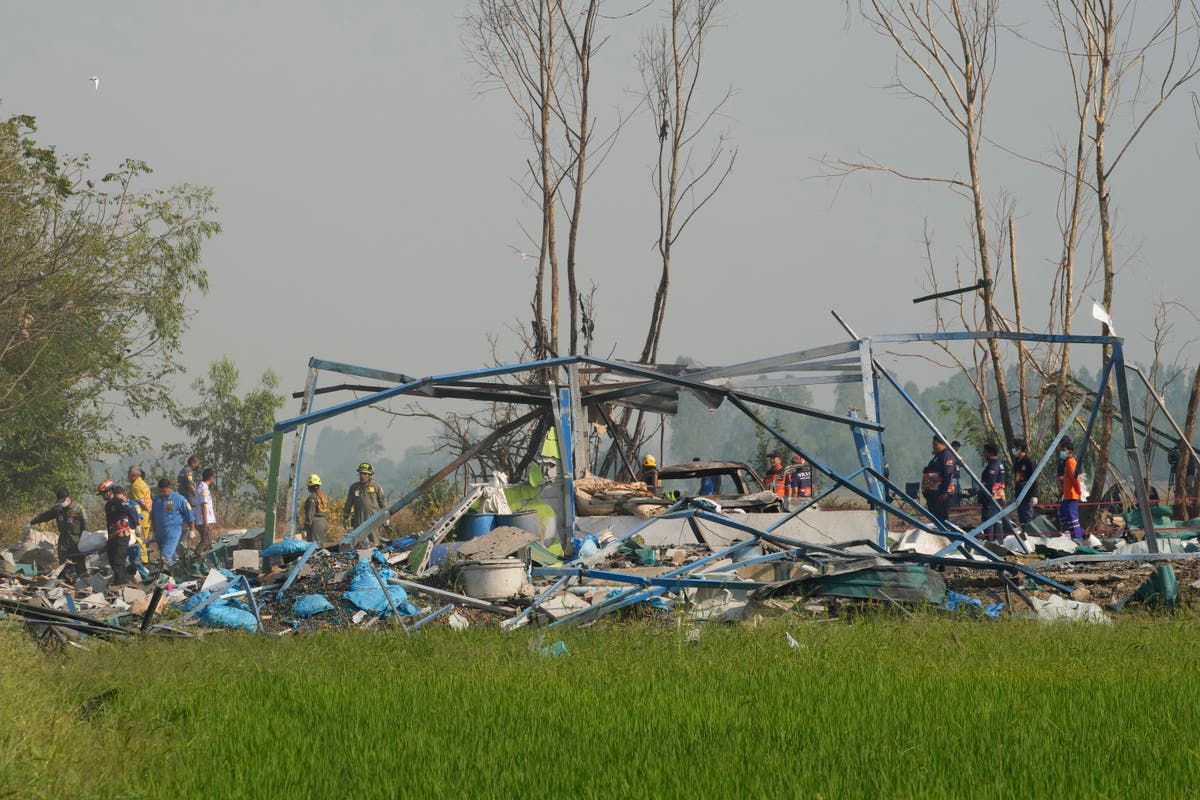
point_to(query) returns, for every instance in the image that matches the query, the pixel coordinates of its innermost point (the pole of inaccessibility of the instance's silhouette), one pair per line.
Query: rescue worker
(991, 492)
(140, 494)
(800, 478)
(169, 513)
(937, 482)
(71, 522)
(121, 520)
(1022, 471)
(1072, 490)
(188, 476)
(136, 556)
(775, 479)
(649, 474)
(363, 500)
(316, 511)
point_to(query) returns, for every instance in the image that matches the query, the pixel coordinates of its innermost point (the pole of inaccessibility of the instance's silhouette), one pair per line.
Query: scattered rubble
(295, 586)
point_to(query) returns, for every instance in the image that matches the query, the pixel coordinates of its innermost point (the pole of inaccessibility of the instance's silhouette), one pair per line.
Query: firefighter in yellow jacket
(142, 497)
(364, 499)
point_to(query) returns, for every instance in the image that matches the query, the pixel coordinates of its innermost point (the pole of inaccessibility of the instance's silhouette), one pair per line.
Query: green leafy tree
(221, 428)
(95, 278)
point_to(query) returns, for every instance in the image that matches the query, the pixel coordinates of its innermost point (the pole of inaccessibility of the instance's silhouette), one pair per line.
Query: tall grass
(878, 708)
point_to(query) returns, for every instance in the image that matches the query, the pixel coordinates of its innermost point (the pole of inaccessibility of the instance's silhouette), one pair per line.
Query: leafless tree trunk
(1108, 42)
(1187, 509)
(684, 178)
(1083, 80)
(539, 52)
(670, 61)
(1022, 352)
(951, 46)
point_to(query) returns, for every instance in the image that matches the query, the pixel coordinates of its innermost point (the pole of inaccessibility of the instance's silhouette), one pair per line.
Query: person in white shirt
(206, 515)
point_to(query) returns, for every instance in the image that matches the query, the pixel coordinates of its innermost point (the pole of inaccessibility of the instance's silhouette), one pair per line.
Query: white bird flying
(95, 79)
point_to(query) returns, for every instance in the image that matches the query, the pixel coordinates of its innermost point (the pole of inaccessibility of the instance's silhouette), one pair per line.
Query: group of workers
(940, 485)
(137, 516)
(364, 499)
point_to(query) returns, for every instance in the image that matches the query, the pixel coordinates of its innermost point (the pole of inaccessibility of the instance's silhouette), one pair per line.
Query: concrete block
(246, 560)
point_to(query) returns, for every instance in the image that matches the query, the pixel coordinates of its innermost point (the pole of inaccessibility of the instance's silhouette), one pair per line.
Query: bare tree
(950, 46)
(688, 171)
(1110, 51)
(684, 179)
(539, 53)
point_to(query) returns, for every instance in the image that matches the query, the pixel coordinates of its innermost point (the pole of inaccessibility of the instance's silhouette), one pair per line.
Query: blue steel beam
(841, 481)
(554, 589)
(1131, 449)
(430, 618)
(757, 366)
(359, 372)
(413, 386)
(676, 583)
(966, 336)
(1101, 385)
(617, 366)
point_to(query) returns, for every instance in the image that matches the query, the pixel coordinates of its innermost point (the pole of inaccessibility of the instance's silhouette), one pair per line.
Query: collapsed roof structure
(576, 390)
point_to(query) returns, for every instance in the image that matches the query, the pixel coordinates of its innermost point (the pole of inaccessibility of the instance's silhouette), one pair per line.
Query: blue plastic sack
(195, 600)
(285, 547)
(375, 601)
(219, 615)
(311, 604)
(363, 578)
(403, 543)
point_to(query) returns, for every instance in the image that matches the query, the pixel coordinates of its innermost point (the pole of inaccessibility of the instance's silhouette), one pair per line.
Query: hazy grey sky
(366, 187)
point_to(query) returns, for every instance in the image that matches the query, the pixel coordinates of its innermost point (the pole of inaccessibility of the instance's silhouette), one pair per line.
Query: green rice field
(929, 707)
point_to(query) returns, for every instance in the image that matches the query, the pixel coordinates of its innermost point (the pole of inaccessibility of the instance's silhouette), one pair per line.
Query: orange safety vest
(776, 482)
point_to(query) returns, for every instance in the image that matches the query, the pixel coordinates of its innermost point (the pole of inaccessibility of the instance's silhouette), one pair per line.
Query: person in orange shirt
(1068, 476)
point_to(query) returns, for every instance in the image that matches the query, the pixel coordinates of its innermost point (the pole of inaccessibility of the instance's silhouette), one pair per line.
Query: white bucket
(492, 579)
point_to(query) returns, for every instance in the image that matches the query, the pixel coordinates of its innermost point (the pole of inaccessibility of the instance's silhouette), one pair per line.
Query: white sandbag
(494, 501)
(93, 542)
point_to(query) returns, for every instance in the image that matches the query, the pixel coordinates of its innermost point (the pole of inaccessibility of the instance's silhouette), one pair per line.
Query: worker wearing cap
(169, 515)
(1072, 490)
(71, 522)
(649, 474)
(121, 520)
(363, 500)
(316, 511)
(937, 481)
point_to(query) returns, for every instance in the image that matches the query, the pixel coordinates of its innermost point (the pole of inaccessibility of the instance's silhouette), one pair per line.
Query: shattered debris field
(877, 707)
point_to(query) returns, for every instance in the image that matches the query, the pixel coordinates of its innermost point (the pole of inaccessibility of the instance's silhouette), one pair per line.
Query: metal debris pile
(726, 572)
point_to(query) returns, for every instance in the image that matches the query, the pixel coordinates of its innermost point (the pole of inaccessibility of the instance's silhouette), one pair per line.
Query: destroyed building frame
(565, 406)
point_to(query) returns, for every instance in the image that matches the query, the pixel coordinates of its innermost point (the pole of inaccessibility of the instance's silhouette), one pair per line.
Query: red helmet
(104, 486)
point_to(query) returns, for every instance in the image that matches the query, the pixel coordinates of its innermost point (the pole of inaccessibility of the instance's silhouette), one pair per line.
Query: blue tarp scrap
(311, 604)
(955, 600)
(285, 547)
